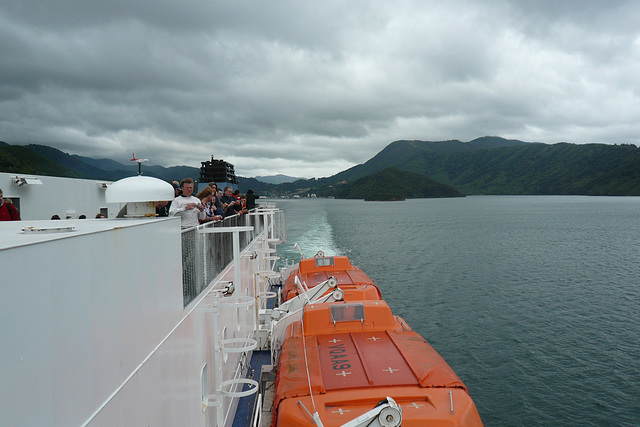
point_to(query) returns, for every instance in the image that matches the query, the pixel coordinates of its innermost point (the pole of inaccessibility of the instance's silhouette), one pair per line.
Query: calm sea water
(534, 301)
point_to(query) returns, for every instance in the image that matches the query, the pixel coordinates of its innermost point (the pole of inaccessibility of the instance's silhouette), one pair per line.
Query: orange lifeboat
(313, 271)
(344, 358)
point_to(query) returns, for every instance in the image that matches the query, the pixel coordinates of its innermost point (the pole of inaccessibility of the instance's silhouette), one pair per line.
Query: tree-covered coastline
(393, 184)
(487, 165)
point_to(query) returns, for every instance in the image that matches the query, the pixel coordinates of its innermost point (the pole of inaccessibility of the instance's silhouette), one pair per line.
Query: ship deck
(40, 231)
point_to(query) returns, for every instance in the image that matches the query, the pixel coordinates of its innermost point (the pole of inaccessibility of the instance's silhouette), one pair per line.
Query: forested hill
(488, 165)
(405, 154)
(21, 159)
(494, 165)
(39, 159)
(393, 184)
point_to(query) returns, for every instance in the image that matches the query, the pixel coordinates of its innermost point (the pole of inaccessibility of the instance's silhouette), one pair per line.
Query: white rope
(306, 363)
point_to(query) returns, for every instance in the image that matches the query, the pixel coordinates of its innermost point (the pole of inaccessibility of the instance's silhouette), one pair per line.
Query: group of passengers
(210, 204)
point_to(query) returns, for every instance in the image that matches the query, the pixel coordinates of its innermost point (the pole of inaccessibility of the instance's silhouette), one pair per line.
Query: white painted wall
(79, 313)
(82, 312)
(59, 196)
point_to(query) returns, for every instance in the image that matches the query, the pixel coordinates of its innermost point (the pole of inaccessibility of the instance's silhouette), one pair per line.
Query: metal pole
(217, 382)
(236, 262)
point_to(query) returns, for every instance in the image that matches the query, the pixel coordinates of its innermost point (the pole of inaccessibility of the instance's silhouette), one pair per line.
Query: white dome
(139, 189)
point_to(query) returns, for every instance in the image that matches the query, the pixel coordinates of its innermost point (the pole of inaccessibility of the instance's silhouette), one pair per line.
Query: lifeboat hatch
(362, 359)
(324, 262)
(347, 313)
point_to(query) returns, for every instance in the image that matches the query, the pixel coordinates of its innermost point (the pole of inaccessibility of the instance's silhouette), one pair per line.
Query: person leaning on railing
(230, 204)
(243, 203)
(206, 197)
(251, 199)
(215, 200)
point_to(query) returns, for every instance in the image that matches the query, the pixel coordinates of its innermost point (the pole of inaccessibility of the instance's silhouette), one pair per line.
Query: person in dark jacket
(251, 199)
(219, 210)
(230, 204)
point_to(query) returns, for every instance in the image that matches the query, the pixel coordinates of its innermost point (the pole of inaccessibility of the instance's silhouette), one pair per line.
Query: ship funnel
(140, 193)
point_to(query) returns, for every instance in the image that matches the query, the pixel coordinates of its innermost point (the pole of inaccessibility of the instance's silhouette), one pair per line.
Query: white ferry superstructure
(130, 322)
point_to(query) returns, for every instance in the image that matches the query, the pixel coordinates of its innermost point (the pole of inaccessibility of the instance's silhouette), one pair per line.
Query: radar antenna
(134, 159)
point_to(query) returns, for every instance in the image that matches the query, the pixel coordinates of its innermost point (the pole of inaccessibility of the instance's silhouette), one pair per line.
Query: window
(324, 262)
(347, 312)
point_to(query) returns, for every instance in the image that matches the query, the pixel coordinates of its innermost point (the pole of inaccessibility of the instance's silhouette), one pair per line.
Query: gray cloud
(312, 88)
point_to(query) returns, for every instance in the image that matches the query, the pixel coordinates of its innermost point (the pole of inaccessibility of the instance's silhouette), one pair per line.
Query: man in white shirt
(188, 207)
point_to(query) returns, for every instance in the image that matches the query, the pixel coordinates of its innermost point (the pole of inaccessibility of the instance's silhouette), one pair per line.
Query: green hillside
(591, 169)
(71, 162)
(40, 159)
(392, 184)
(21, 159)
(512, 167)
(411, 155)
(487, 165)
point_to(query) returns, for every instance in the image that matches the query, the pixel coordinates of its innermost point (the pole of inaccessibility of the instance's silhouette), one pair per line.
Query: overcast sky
(310, 88)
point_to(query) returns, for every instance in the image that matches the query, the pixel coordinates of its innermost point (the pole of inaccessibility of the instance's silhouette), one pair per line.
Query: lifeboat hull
(343, 358)
(426, 407)
(355, 283)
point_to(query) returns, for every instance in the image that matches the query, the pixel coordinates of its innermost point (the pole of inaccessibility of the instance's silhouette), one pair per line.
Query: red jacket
(8, 212)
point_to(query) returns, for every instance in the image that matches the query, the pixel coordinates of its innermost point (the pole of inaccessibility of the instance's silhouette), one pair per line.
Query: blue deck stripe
(259, 358)
(246, 404)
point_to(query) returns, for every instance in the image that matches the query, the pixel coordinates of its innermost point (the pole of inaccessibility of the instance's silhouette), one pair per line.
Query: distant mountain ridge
(276, 179)
(44, 160)
(494, 165)
(409, 154)
(21, 159)
(63, 159)
(487, 165)
(522, 168)
(104, 164)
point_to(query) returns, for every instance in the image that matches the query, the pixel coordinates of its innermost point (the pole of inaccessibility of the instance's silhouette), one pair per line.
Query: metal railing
(206, 255)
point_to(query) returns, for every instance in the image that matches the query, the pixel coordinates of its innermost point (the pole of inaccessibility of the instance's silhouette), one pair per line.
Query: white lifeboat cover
(139, 189)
